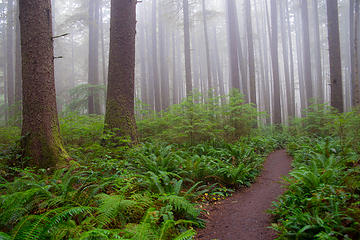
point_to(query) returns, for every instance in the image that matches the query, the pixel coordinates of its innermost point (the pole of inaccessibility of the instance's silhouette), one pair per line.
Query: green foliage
(319, 202)
(194, 121)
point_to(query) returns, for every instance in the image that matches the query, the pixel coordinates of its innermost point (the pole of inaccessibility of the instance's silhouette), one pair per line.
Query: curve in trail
(243, 216)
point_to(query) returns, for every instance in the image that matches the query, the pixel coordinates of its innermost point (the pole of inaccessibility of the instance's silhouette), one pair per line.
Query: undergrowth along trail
(243, 216)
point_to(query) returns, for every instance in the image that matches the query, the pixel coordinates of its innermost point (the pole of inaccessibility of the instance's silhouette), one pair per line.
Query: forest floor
(243, 215)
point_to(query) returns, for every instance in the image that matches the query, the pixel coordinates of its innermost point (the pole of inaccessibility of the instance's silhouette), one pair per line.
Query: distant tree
(187, 48)
(275, 63)
(233, 48)
(18, 88)
(155, 65)
(207, 51)
(354, 43)
(319, 80)
(40, 130)
(119, 116)
(251, 53)
(334, 55)
(10, 55)
(93, 69)
(306, 50)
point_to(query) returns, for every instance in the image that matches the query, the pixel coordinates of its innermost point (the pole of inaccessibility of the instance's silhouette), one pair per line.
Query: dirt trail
(243, 216)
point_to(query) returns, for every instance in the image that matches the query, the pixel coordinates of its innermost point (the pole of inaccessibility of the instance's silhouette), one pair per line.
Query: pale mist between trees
(282, 55)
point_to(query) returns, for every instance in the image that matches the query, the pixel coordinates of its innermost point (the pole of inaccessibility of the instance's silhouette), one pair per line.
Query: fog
(275, 52)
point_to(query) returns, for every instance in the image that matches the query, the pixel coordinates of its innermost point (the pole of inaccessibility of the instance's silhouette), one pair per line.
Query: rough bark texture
(250, 52)
(334, 55)
(119, 115)
(306, 50)
(275, 63)
(187, 48)
(40, 129)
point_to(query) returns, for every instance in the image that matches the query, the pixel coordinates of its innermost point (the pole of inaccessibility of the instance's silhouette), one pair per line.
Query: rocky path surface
(243, 216)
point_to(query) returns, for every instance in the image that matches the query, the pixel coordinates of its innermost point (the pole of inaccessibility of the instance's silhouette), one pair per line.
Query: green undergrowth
(111, 191)
(322, 200)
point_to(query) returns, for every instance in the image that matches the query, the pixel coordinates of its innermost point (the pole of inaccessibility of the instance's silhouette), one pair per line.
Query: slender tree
(10, 55)
(40, 129)
(207, 51)
(233, 48)
(334, 55)
(155, 66)
(187, 48)
(355, 84)
(306, 50)
(18, 93)
(319, 80)
(251, 54)
(119, 116)
(275, 63)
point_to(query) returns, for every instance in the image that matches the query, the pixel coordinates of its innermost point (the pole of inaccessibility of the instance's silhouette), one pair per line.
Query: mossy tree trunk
(119, 116)
(40, 129)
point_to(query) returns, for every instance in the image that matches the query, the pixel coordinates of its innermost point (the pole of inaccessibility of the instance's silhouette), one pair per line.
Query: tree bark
(10, 56)
(207, 51)
(319, 80)
(120, 116)
(334, 55)
(40, 130)
(233, 49)
(187, 48)
(275, 63)
(250, 52)
(355, 85)
(306, 50)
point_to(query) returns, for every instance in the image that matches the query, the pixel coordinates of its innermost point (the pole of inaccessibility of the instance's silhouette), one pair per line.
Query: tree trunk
(306, 50)
(334, 55)
(286, 58)
(207, 51)
(93, 71)
(275, 63)
(164, 68)
(175, 87)
(319, 80)
(18, 88)
(233, 51)
(120, 116)
(220, 75)
(355, 85)
(102, 46)
(250, 52)
(292, 74)
(187, 48)
(10, 56)
(40, 130)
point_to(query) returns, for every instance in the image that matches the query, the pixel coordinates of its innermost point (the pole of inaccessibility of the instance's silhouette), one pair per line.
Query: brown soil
(243, 216)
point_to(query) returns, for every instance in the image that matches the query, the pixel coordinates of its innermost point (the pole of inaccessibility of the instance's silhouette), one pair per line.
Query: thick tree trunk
(250, 52)
(42, 142)
(120, 116)
(275, 63)
(10, 56)
(187, 48)
(355, 85)
(306, 50)
(335, 55)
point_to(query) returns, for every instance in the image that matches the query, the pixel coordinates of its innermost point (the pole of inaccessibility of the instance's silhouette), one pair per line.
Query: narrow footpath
(243, 216)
